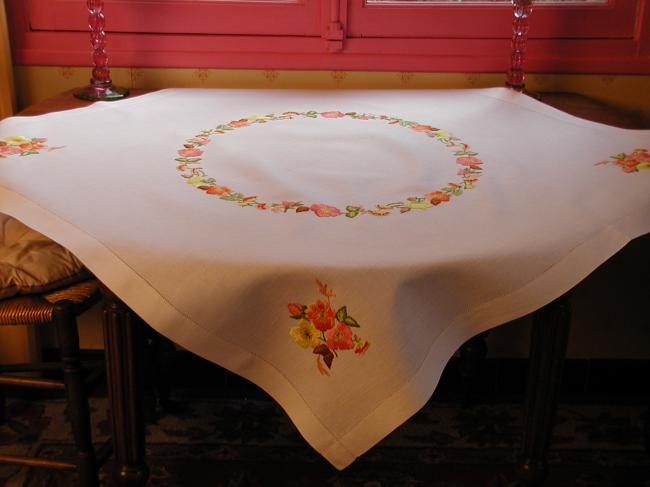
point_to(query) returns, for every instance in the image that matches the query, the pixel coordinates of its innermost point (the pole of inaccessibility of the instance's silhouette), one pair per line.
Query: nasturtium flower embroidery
(305, 334)
(191, 155)
(635, 161)
(19, 145)
(325, 331)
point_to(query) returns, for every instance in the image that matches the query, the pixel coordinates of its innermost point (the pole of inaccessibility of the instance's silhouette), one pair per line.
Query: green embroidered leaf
(181, 159)
(352, 211)
(192, 160)
(232, 196)
(223, 127)
(311, 114)
(342, 314)
(351, 322)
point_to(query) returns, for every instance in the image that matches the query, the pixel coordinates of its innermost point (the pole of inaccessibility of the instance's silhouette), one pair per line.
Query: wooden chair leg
(472, 358)
(123, 346)
(547, 352)
(78, 409)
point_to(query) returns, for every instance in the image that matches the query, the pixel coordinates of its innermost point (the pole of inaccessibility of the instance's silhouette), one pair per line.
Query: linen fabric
(335, 248)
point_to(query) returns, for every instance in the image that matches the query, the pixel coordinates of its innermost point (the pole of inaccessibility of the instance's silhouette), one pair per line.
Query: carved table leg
(123, 343)
(78, 409)
(547, 352)
(472, 357)
(160, 368)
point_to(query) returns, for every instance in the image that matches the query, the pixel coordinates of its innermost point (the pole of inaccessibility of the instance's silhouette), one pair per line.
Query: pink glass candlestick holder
(521, 10)
(101, 87)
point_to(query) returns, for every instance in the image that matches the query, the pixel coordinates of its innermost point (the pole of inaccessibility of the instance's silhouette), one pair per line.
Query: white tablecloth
(335, 248)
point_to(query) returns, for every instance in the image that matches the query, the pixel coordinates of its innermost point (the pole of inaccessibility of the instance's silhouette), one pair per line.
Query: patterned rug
(238, 442)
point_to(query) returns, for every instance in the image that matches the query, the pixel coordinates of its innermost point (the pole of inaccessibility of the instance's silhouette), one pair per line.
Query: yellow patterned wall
(7, 100)
(35, 83)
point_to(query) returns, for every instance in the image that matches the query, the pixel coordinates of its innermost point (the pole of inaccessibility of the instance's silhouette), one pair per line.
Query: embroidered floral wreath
(190, 157)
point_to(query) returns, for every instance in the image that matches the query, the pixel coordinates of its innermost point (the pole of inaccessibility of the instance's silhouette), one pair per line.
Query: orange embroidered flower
(468, 161)
(630, 163)
(295, 309)
(325, 210)
(190, 152)
(437, 197)
(418, 127)
(218, 190)
(321, 315)
(332, 114)
(339, 337)
(242, 122)
(361, 348)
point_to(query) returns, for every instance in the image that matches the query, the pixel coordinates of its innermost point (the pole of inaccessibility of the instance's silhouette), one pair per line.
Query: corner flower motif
(19, 145)
(637, 160)
(316, 329)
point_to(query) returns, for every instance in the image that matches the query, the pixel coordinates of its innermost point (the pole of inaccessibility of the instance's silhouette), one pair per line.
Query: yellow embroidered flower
(16, 139)
(196, 180)
(442, 135)
(305, 334)
(254, 118)
(418, 205)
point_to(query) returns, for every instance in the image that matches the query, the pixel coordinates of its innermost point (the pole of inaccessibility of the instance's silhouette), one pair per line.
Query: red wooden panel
(629, 54)
(299, 18)
(614, 20)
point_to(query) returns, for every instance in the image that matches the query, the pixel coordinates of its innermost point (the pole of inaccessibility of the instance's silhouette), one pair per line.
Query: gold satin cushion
(32, 263)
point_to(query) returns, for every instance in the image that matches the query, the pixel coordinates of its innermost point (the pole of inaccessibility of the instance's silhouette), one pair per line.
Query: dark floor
(231, 434)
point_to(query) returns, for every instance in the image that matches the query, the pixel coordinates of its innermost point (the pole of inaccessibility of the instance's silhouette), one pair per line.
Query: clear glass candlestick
(101, 87)
(521, 10)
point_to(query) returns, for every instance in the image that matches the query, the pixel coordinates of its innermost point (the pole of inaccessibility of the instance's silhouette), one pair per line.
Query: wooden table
(123, 339)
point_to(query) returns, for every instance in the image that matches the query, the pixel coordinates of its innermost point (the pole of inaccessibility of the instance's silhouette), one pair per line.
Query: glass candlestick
(521, 10)
(101, 87)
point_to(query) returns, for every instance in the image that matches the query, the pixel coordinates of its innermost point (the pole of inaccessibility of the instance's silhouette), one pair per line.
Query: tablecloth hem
(341, 452)
(170, 322)
(557, 280)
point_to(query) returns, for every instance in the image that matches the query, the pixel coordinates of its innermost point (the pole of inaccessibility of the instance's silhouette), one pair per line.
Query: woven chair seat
(39, 309)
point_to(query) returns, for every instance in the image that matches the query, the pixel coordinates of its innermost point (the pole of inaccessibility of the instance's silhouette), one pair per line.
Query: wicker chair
(58, 308)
